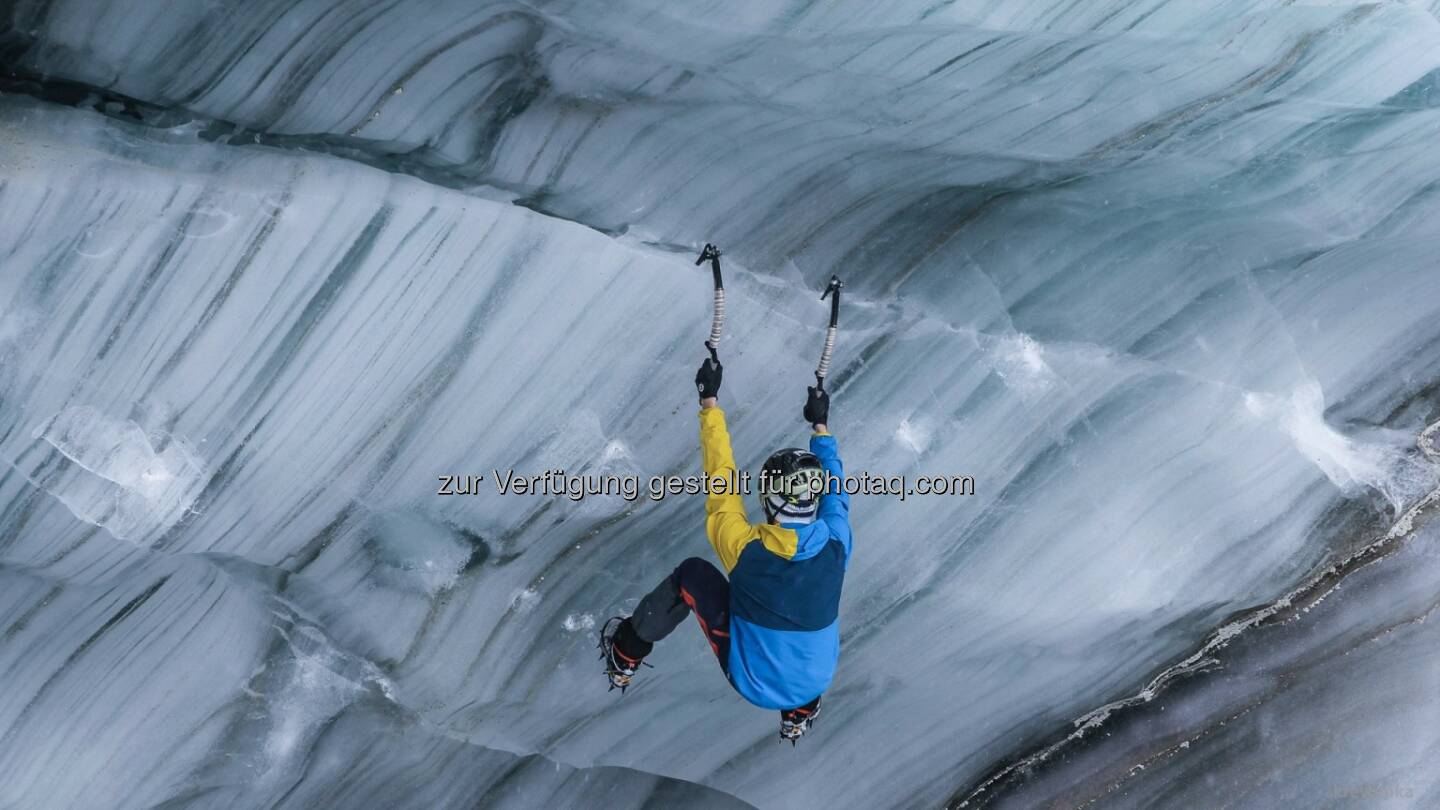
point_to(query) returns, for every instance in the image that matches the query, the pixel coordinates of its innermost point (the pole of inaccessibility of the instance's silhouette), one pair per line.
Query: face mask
(798, 487)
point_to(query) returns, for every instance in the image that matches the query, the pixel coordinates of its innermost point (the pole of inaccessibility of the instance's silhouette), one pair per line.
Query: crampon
(795, 722)
(619, 667)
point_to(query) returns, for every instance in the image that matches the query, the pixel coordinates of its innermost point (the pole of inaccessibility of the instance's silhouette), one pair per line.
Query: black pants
(694, 586)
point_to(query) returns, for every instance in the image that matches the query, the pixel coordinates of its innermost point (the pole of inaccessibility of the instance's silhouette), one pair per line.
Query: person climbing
(774, 624)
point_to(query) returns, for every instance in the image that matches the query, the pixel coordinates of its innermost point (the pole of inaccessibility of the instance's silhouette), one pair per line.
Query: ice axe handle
(717, 319)
(832, 291)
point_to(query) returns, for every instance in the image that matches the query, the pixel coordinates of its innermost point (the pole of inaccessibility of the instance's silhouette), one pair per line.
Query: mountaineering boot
(622, 651)
(795, 722)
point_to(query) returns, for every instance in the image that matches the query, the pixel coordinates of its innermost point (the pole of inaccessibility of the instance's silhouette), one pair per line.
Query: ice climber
(774, 624)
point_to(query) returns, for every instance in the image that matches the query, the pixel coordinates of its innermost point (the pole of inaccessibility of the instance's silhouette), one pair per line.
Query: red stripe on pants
(704, 628)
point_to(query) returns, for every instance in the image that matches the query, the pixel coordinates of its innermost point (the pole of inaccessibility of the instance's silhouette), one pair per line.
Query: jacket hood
(809, 538)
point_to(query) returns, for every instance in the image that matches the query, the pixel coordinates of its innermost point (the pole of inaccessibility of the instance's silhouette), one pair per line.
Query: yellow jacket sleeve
(725, 522)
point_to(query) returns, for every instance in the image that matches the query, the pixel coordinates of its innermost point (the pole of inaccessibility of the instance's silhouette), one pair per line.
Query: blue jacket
(784, 580)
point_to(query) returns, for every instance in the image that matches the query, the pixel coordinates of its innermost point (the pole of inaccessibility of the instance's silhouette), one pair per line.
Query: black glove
(817, 406)
(707, 379)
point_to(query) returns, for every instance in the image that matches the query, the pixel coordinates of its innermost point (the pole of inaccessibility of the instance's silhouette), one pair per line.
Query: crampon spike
(618, 671)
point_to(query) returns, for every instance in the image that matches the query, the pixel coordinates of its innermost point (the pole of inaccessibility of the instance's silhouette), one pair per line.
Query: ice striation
(1159, 275)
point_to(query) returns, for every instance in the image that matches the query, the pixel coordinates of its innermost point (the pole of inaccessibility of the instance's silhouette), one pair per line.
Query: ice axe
(832, 291)
(717, 320)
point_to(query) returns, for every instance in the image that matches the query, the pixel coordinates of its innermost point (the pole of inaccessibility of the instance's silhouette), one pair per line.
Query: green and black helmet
(790, 486)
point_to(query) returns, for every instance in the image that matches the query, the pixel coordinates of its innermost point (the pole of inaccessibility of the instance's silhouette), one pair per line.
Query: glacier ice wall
(1160, 276)
(1333, 707)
